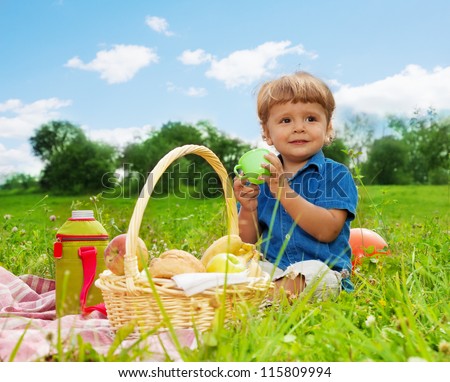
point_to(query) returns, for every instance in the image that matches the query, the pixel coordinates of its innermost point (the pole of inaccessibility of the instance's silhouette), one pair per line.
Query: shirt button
(287, 237)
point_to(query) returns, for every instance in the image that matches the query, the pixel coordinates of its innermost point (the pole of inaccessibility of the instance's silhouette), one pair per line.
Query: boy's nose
(298, 127)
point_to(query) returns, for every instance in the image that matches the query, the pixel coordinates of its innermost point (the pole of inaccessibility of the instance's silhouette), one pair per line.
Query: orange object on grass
(365, 242)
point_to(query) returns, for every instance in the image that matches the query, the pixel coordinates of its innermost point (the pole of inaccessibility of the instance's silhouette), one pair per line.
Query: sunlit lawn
(400, 310)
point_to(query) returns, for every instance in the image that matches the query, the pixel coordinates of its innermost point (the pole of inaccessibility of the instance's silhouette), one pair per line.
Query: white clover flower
(416, 359)
(7, 216)
(14, 229)
(370, 321)
(52, 218)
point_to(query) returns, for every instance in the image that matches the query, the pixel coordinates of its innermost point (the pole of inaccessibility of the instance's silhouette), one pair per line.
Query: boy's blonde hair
(297, 87)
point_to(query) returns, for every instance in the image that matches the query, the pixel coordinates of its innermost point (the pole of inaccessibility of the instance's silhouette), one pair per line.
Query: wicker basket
(150, 303)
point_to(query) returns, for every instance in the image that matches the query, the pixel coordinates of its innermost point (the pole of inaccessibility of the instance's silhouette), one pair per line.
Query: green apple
(225, 262)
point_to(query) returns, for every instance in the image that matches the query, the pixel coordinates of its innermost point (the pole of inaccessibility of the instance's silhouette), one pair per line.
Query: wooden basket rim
(130, 259)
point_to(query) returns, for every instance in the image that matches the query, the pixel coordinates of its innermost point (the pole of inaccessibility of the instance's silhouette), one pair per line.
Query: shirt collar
(317, 161)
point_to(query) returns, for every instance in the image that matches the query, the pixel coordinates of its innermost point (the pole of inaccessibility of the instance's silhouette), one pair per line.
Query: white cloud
(10, 105)
(412, 88)
(119, 64)
(195, 57)
(120, 136)
(196, 92)
(18, 160)
(158, 24)
(192, 91)
(18, 120)
(244, 67)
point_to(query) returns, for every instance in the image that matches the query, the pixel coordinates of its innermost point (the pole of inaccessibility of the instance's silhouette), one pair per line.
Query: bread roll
(175, 262)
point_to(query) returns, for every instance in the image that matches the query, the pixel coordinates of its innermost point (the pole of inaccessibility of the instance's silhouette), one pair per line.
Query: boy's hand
(277, 180)
(246, 194)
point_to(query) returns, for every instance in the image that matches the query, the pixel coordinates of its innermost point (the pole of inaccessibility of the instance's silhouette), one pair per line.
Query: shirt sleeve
(339, 190)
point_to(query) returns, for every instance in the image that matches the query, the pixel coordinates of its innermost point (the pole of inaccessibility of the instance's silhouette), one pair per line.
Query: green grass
(412, 204)
(27, 233)
(399, 311)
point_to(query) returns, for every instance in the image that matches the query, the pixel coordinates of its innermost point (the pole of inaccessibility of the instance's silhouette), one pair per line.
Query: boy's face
(297, 130)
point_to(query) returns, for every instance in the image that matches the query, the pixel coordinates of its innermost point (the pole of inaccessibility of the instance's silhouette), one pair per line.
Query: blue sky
(121, 68)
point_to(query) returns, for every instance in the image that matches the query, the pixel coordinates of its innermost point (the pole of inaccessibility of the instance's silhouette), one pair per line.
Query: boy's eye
(285, 120)
(310, 118)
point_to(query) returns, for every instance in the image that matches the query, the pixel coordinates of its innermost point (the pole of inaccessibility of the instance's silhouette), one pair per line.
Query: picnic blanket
(28, 318)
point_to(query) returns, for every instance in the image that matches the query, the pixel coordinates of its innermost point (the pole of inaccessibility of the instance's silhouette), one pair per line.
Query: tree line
(416, 152)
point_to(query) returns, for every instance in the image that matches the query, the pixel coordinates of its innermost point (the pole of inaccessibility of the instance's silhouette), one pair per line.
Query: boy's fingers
(275, 170)
(272, 158)
(238, 184)
(250, 191)
(240, 181)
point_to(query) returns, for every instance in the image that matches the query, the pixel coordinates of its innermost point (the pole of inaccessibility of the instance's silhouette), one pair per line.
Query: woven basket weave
(134, 298)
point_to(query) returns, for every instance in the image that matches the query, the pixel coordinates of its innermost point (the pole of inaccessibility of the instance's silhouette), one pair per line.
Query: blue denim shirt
(327, 184)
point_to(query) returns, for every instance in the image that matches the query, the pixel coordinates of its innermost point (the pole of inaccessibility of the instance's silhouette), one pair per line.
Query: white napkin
(193, 283)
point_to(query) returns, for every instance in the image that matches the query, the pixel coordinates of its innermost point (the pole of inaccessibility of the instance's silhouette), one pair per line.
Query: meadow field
(400, 310)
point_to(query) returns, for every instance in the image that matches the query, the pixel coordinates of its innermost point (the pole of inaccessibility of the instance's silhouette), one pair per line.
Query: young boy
(302, 212)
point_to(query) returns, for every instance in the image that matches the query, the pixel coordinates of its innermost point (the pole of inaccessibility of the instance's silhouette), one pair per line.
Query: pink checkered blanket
(29, 328)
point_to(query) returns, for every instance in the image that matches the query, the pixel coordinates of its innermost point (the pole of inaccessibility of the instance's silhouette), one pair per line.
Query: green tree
(359, 134)
(387, 162)
(191, 171)
(141, 157)
(19, 181)
(427, 139)
(73, 163)
(227, 148)
(53, 137)
(138, 159)
(336, 151)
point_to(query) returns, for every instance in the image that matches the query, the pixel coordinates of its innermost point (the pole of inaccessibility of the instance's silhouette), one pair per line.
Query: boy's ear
(330, 128)
(329, 135)
(266, 136)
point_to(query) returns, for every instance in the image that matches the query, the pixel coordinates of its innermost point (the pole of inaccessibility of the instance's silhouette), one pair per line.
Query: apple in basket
(115, 252)
(225, 262)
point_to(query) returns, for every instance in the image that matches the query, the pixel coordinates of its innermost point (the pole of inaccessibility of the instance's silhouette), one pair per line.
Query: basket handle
(130, 259)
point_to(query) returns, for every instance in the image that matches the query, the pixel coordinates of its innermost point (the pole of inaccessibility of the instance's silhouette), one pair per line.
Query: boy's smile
(298, 141)
(298, 131)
